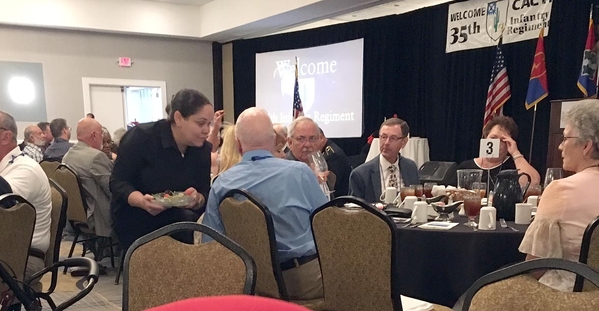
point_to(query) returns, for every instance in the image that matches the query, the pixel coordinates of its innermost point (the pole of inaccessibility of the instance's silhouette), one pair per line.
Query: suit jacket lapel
(375, 176)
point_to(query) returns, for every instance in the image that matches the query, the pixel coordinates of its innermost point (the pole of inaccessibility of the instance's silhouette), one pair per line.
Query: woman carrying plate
(155, 157)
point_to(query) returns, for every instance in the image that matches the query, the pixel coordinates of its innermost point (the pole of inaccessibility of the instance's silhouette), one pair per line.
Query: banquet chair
(160, 269)
(512, 288)
(77, 208)
(49, 167)
(59, 219)
(359, 271)
(16, 230)
(589, 255)
(331, 180)
(249, 223)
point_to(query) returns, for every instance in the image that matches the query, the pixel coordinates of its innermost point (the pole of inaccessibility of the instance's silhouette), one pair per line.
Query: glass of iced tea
(480, 188)
(428, 189)
(533, 190)
(472, 207)
(418, 191)
(406, 191)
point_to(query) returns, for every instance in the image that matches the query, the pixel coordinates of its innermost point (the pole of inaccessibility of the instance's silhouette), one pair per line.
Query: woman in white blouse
(568, 205)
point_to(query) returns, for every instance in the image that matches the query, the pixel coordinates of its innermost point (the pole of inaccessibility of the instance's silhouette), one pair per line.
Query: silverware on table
(503, 224)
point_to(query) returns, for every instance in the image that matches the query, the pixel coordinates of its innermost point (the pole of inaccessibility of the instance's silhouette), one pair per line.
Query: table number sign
(489, 148)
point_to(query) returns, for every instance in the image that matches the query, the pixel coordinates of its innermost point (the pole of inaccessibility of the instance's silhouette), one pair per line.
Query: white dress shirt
(27, 179)
(386, 174)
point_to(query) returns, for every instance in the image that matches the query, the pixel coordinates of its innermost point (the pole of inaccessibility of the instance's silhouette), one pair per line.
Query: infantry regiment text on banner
(479, 23)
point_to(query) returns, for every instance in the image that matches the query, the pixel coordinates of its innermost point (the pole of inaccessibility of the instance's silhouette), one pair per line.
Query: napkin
(412, 304)
(438, 225)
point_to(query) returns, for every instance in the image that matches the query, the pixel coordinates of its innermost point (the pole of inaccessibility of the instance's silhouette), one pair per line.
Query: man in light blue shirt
(289, 189)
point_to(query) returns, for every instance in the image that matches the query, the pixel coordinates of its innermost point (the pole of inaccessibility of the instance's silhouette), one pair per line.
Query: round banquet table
(438, 266)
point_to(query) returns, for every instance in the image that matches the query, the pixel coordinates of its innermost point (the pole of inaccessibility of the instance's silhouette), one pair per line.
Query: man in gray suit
(389, 169)
(94, 169)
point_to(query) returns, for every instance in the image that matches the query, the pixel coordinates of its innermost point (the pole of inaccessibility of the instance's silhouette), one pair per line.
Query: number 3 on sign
(489, 148)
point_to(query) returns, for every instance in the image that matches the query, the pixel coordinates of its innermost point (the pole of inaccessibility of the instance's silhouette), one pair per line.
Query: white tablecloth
(416, 149)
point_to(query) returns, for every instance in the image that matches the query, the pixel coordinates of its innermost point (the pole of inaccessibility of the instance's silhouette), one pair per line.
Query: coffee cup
(533, 200)
(409, 201)
(420, 212)
(523, 213)
(487, 219)
(389, 195)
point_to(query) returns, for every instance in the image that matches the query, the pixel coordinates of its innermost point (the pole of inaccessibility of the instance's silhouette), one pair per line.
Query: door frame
(88, 82)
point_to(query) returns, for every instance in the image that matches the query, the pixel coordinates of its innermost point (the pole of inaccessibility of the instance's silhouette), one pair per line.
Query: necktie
(392, 177)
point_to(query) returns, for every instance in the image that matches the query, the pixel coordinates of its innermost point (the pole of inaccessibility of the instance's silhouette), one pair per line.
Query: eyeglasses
(566, 137)
(392, 139)
(303, 139)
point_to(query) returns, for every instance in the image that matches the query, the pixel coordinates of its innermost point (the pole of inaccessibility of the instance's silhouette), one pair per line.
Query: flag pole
(532, 133)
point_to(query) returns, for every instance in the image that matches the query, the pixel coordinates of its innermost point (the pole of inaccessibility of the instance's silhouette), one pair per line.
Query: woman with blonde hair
(229, 155)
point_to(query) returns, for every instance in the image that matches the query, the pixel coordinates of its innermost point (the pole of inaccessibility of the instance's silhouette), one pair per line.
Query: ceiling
(210, 20)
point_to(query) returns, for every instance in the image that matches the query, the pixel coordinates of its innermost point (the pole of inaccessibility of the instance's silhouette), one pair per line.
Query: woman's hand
(217, 121)
(512, 146)
(197, 198)
(147, 203)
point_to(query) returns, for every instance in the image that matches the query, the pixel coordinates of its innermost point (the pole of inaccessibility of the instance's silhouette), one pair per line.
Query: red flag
(537, 84)
(499, 87)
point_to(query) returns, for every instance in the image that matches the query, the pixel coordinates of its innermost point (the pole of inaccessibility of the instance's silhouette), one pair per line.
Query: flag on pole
(537, 84)
(587, 82)
(298, 109)
(499, 87)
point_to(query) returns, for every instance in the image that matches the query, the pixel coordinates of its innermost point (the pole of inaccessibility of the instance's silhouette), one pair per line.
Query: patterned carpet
(105, 296)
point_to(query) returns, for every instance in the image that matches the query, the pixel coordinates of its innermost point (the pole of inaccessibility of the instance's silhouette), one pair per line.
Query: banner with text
(479, 23)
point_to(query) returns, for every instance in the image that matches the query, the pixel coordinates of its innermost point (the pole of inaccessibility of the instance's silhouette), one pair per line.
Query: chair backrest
(160, 269)
(59, 220)
(49, 167)
(249, 223)
(589, 254)
(356, 248)
(66, 177)
(331, 180)
(16, 230)
(511, 288)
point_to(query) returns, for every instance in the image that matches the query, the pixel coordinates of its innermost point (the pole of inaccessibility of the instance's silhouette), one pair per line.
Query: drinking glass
(467, 177)
(472, 207)
(406, 191)
(321, 169)
(552, 174)
(428, 189)
(533, 190)
(418, 191)
(480, 188)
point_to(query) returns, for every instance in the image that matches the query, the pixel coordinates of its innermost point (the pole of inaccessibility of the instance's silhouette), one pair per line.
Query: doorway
(119, 103)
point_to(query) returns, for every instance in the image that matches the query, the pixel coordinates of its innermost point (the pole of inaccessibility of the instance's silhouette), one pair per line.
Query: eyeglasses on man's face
(304, 139)
(391, 138)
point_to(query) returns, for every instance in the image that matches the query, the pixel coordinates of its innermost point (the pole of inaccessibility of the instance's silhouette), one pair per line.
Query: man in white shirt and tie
(389, 169)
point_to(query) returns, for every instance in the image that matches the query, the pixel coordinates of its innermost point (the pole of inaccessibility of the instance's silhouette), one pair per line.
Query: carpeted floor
(105, 296)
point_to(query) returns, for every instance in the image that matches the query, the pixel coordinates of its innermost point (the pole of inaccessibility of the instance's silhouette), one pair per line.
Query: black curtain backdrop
(441, 96)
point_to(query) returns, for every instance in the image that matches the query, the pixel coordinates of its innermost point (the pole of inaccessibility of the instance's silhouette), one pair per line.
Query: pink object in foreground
(230, 303)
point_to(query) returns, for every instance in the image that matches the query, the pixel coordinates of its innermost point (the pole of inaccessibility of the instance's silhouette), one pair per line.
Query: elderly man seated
(33, 143)
(94, 168)
(27, 179)
(289, 190)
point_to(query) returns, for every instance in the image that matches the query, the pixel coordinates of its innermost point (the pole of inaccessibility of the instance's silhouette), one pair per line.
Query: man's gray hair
(300, 120)
(584, 116)
(8, 123)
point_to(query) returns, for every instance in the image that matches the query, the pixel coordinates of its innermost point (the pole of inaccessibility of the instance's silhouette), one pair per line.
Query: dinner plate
(172, 199)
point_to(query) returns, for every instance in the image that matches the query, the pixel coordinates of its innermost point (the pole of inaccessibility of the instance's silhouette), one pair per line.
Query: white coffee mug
(488, 218)
(534, 200)
(389, 195)
(420, 212)
(409, 202)
(523, 213)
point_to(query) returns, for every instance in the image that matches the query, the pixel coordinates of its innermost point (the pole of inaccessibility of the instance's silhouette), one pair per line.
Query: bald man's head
(89, 131)
(254, 130)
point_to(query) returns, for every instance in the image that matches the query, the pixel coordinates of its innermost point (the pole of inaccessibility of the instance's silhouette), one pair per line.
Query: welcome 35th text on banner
(480, 23)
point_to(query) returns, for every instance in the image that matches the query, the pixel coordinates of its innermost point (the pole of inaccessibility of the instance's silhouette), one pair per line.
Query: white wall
(67, 56)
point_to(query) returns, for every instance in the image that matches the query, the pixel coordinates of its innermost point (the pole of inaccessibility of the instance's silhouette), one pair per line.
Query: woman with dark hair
(505, 129)
(161, 156)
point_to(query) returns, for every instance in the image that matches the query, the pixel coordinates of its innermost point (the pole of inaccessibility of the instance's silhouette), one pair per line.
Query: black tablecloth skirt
(438, 266)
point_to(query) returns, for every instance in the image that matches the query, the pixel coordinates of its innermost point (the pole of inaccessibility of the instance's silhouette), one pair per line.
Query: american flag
(499, 87)
(298, 109)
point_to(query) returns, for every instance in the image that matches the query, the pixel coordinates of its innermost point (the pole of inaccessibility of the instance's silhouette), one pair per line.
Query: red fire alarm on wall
(125, 62)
